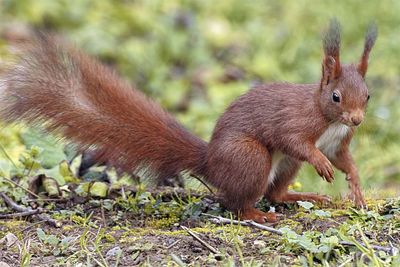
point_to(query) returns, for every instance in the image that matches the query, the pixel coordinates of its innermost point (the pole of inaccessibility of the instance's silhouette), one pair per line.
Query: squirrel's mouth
(348, 122)
(352, 124)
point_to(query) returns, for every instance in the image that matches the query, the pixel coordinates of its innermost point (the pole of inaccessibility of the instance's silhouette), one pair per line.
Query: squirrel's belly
(330, 140)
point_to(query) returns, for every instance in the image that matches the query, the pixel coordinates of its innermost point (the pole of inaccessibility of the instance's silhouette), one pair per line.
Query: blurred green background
(196, 57)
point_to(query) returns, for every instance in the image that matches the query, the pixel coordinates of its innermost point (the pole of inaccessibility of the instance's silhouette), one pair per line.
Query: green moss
(78, 219)
(289, 222)
(141, 247)
(164, 222)
(57, 217)
(338, 213)
(109, 237)
(67, 227)
(301, 214)
(12, 227)
(12, 223)
(375, 204)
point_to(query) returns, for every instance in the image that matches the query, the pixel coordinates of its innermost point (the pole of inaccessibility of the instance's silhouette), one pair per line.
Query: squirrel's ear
(370, 37)
(331, 68)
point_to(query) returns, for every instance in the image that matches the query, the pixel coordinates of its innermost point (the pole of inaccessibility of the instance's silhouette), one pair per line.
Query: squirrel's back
(87, 103)
(277, 108)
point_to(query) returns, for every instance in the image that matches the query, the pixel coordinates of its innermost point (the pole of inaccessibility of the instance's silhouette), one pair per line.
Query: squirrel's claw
(358, 198)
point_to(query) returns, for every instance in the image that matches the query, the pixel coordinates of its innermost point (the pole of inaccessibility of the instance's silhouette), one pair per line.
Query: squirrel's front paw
(357, 196)
(355, 191)
(324, 168)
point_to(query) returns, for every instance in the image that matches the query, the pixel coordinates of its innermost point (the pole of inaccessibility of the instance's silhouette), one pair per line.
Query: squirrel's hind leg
(259, 216)
(277, 192)
(239, 168)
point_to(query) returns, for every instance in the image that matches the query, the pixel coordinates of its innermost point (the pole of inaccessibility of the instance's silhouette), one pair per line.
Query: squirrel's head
(344, 94)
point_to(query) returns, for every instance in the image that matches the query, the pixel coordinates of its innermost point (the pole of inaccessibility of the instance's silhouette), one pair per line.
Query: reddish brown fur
(91, 106)
(331, 45)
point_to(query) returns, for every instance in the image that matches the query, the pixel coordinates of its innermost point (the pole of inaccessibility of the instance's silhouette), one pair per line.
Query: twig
(173, 244)
(204, 243)
(12, 204)
(30, 226)
(266, 228)
(216, 219)
(49, 199)
(51, 221)
(392, 251)
(19, 208)
(244, 223)
(103, 217)
(19, 214)
(23, 188)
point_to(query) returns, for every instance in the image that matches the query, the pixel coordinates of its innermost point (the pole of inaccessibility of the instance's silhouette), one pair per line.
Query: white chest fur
(276, 158)
(329, 141)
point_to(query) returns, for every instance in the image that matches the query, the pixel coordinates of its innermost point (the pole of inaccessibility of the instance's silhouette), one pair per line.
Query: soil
(141, 243)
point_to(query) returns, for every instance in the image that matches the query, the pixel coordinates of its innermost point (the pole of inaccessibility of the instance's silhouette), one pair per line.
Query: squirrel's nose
(356, 120)
(357, 116)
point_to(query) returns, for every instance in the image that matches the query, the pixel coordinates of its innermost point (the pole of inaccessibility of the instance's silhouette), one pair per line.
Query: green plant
(26, 255)
(55, 246)
(232, 232)
(98, 247)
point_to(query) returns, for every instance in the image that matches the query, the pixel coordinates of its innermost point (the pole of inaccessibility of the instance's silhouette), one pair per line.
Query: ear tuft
(332, 38)
(370, 38)
(331, 44)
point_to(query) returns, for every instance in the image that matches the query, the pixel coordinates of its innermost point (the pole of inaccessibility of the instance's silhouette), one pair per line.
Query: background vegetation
(195, 58)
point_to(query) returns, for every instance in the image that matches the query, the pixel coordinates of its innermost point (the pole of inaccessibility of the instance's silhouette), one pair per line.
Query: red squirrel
(257, 146)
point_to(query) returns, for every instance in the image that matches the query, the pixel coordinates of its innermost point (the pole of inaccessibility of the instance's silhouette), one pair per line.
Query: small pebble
(10, 240)
(113, 252)
(259, 244)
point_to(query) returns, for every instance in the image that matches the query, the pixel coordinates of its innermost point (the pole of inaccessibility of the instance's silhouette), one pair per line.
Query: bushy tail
(87, 103)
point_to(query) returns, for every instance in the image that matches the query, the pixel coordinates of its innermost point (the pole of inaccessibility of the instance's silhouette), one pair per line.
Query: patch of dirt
(131, 239)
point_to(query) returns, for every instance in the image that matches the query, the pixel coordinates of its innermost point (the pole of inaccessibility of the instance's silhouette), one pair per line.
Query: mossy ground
(136, 238)
(195, 58)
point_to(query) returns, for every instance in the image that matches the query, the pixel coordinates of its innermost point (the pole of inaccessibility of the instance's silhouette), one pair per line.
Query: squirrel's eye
(367, 97)
(336, 97)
